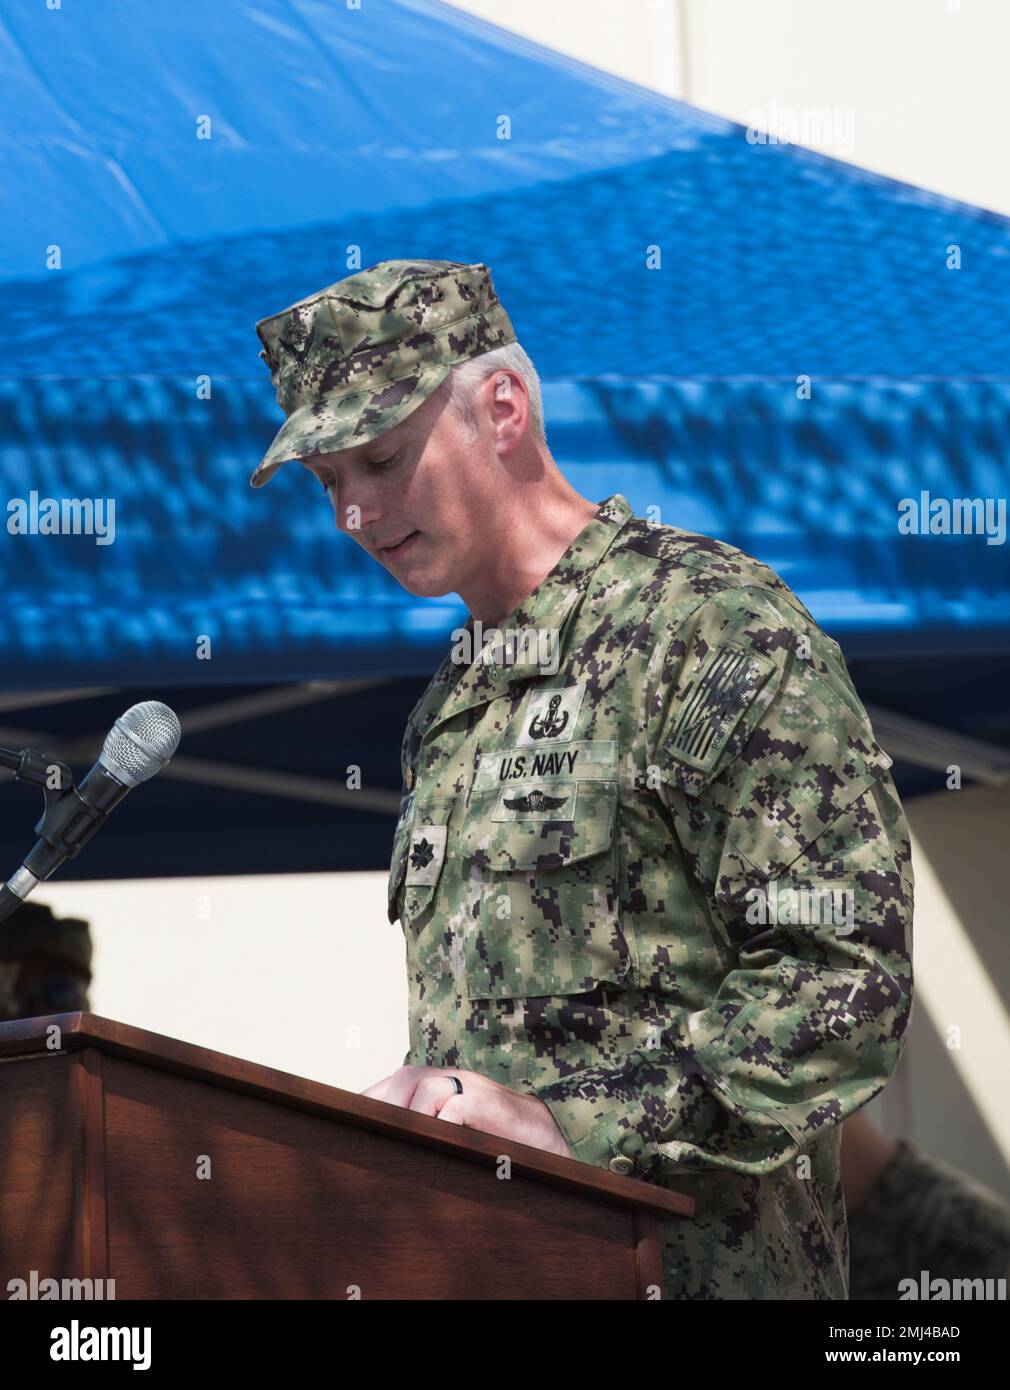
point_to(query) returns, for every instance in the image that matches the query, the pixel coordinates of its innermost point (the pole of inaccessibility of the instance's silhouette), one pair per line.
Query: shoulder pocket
(809, 753)
(722, 701)
(542, 890)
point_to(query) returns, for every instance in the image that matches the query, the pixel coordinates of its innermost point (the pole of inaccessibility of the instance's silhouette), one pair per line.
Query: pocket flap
(542, 826)
(542, 894)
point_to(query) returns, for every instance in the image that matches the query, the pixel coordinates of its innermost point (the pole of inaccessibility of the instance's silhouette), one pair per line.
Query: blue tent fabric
(314, 108)
(264, 575)
(675, 384)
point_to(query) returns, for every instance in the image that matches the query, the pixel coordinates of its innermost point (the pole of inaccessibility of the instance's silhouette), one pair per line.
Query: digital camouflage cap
(351, 361)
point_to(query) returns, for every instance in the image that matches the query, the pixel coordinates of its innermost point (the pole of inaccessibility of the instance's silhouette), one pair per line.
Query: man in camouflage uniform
(651, 869)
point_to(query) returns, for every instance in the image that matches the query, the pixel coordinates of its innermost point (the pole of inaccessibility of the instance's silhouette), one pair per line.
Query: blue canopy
(749, 340)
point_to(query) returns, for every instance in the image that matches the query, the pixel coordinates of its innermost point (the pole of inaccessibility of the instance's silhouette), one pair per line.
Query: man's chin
(424, 586)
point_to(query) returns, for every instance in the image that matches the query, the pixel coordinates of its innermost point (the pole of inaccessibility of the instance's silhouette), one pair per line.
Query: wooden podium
(184, 1173)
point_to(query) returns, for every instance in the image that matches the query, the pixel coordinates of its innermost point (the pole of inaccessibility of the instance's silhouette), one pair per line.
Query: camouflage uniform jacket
(601, 875)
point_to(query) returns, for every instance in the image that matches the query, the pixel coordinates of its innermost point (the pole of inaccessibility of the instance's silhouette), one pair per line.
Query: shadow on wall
(959, 1045)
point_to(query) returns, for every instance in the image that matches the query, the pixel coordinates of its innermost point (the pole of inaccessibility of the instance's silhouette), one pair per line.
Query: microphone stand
(63, 809)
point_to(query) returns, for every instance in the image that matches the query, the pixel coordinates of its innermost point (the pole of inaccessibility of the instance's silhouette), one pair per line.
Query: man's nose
(355, 508)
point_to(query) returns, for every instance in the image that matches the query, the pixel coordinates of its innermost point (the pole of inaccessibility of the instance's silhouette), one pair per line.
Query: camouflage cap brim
(347, 418)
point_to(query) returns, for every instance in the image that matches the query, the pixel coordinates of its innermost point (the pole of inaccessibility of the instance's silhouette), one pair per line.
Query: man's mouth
(391, 552)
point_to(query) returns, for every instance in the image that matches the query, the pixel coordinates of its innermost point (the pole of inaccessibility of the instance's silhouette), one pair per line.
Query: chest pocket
(419, 851)
(542, 892)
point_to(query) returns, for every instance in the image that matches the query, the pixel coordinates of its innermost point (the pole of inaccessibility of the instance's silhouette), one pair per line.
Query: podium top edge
(56, 1035)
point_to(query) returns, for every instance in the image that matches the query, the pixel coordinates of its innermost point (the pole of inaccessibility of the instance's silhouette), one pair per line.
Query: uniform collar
(550, 608)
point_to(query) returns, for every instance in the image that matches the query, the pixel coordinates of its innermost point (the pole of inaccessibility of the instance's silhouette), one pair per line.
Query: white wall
(923, 81)
(301, 972)
(916, 89)
(951, 1092)
(635, 39)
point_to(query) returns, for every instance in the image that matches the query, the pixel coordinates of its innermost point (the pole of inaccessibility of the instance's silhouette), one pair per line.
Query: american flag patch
(714, 701)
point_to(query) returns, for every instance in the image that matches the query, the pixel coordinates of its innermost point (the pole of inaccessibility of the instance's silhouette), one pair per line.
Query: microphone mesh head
(141, 742)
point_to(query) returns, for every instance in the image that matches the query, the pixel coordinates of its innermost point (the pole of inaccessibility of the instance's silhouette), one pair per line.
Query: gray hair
(465, 377)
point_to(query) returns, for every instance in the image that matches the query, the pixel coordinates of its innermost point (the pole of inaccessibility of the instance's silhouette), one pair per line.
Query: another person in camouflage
(911, 1214)
(652, 872)
(45, 963)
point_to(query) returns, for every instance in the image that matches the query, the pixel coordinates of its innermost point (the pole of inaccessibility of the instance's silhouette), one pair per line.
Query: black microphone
(137, 746)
